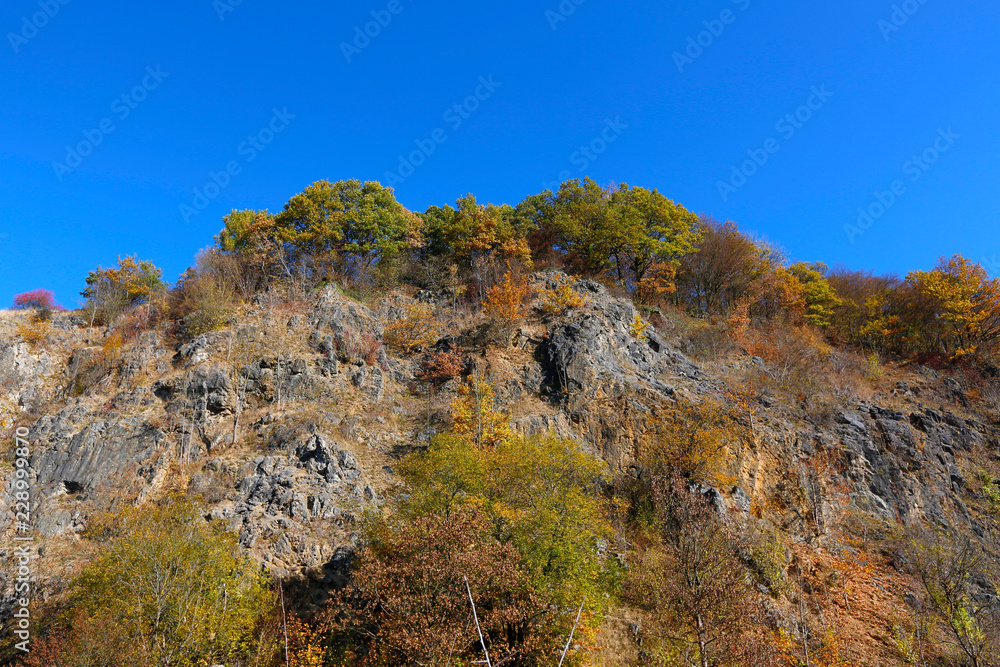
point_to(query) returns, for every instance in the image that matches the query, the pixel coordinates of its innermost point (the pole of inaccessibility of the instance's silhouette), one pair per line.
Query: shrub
(205, 299)
(42, 301)
(34, 332)
(442, 366)
(559, 300)
(707, 341)
(638, 328)
(873, 367)
(415, 330)
(991, 492)
(767, 557)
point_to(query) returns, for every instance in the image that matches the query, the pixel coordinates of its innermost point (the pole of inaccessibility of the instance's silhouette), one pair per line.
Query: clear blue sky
(219, 80)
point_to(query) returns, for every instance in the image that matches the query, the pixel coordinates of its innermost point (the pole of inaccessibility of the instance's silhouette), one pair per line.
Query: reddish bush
(39, 299)
(442, 366)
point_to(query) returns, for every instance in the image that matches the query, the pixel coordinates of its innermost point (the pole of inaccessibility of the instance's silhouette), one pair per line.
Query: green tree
(645, 230)
(819, 296)
(110, 292)
(580, 217)
(475, 232)
(348, 225)
(541, 495)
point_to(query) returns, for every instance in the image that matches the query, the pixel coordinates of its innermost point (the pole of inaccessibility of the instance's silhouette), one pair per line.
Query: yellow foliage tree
(964, 303)
(177, 588)
(476, 418)
(560, 299)
(693, 441)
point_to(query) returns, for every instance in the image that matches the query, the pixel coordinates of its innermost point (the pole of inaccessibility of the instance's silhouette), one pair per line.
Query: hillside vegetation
(590, 429)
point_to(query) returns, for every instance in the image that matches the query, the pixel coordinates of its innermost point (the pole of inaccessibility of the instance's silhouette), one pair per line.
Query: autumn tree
(560, 299)
(869, 311)
(177, 588)
(476, 233)
(727, 268)
(207, 295)
(541, 497)
(439, 368)
(960, 587)
(111, 292)
(250, 238)
(692, 441)
(347, 227)
(412, 329)
(692, 584)
(407, 603)
(476, 419)
(504, 305)
(818, 296)
(964, 307)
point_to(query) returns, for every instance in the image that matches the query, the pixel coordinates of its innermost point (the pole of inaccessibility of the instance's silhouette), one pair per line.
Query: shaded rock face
(904, 467)
(75, 452)
(605, 378)
(208, 390)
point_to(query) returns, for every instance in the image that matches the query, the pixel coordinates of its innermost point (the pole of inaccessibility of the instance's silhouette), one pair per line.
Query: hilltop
(593, 398)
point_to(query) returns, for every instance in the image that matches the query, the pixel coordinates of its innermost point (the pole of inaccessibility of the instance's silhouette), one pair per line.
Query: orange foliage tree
(504, 305)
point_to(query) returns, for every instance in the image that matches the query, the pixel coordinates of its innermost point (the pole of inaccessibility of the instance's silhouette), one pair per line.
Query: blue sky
(176, 92)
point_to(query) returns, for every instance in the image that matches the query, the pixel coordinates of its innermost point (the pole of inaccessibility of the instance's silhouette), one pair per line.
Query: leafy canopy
(540, 493)
(177, 587)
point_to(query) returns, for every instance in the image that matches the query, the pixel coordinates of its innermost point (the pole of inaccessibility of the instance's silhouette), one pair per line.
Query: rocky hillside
(290, 424)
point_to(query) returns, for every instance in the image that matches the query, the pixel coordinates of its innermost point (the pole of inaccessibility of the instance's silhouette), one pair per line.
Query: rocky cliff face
(328, 410)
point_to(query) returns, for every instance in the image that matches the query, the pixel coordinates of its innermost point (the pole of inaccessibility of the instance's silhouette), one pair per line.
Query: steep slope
(321, 411)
